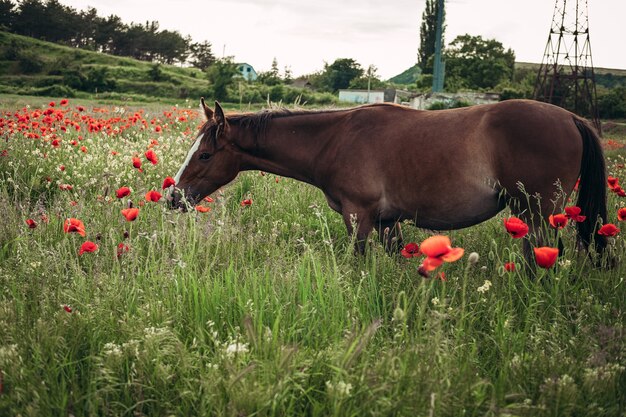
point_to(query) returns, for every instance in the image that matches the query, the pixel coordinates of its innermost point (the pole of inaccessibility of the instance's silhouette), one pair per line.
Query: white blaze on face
(193, 150)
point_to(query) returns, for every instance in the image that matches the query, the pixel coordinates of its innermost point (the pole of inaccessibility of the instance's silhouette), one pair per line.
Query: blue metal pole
(439, 64)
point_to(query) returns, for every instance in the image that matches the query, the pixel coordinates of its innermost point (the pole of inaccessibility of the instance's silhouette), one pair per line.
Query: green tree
(369, 80)
(338, 75)
(613, 104)
(169, 47)
(428, 30)
(271, 77)
(477, 64)
(7, 14)
(201, 54)
(220, 75)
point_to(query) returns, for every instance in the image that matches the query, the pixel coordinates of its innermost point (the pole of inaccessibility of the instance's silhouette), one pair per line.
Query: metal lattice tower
(566, 77)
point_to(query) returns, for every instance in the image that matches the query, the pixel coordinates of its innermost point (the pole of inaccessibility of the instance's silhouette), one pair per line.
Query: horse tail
(592, 187)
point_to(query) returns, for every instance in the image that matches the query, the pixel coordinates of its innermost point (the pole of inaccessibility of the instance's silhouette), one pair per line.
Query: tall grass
(264, 309)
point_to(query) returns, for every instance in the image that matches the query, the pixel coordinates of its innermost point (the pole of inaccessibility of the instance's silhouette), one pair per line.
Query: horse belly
(463, 207)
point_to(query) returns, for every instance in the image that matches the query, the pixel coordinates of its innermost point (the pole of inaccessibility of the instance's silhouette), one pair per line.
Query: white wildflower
(236, 348)
(339, 389)
(485, 287)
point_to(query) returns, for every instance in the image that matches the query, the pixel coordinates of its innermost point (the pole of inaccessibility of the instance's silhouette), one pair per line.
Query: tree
(169, 47)
(271, 77)
(477, 64)
(338, 75)
(613, 104)
(7, 14)
(369, 80)
(428, 30)
(221, 74)
(201, 55)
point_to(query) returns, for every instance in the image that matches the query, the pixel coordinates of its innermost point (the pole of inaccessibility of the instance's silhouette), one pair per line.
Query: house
(388, 95)
(247, 71)
(362, 96)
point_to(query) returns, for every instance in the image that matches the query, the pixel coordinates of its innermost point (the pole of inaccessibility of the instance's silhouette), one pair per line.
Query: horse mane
(257, 121)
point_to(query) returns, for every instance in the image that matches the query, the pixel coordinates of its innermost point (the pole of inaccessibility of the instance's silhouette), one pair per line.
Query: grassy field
(262, 308)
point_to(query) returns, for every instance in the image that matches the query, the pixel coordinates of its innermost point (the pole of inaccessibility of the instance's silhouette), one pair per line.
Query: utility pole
(439, 63)
(566, 77)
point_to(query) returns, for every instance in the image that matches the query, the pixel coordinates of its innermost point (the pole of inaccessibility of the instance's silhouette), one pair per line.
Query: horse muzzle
(178, 199)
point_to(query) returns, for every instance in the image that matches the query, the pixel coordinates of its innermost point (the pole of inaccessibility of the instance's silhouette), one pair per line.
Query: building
(247, 71)
(389, 95)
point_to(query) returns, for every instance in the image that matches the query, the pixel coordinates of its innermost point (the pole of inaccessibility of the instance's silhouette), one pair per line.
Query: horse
(381, 164)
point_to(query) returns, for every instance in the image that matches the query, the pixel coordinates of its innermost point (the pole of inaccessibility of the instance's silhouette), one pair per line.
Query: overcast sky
(385, 33)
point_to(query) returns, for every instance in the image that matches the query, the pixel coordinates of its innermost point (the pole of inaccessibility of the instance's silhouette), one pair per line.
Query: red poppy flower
(410, 250)
(573, 213)
(558, 221)
(67, 308)
(619, 191)
(64, 102)
(151, 156)
(208, 199)
(202, 209)
(621, 214)
(83, 149)
(80, 108)
(55, 143)
(122, 192)
(88, 246)
(612, 182)
(515, 227)
(608, 229)
(438, 249)
(31, 223)
(167, 182)
(509, 266)
(65, 187)
(153, 196)
(73, 225)
(52, 104)
(122, 248)
(247, 202)
(130, 214)
(546, 256)
(61, 167)
(137, 163)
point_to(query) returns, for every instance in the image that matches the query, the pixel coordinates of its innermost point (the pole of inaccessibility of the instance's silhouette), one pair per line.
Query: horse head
(213, 161)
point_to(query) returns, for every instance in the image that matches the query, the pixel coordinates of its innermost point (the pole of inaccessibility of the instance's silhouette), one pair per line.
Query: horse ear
(220, 119)
(207, 112)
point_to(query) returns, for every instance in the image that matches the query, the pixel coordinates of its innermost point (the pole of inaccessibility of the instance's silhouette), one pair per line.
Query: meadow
(255, 304)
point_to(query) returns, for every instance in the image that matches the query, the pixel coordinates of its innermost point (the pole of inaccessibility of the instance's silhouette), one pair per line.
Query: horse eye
(205, 156)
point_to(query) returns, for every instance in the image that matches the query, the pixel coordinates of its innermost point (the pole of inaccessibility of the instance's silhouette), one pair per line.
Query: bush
(511, 93)
(58, 90)
(30, 63)
(613, 104)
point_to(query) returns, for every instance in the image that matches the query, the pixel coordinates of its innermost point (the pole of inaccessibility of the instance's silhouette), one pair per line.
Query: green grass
(264, 310)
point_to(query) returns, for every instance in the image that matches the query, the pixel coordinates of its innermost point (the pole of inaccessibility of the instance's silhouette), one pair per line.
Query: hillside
(33, 67)
(607, 77)
(409, 76)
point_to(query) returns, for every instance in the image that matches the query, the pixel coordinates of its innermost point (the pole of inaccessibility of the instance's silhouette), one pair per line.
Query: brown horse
(381, 164)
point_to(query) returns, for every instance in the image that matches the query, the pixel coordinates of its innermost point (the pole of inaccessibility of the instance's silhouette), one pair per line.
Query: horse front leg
(360, 221)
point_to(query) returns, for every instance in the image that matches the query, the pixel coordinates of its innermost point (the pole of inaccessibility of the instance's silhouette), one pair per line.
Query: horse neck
(290, 146)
